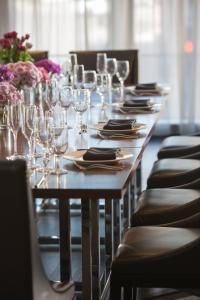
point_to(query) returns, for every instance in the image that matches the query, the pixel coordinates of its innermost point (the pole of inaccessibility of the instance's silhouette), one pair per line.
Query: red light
(188, 47)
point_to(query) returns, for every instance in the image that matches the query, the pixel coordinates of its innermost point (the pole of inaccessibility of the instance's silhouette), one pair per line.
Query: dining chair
(180, 146)
(157, 256)
(165, 205)
(88, 59)
(23, 276)
(39, 54)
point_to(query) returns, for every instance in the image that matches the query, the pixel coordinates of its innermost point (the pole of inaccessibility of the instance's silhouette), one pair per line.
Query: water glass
(122, 74)
(80, 105)
(78, 79)
(101, 63)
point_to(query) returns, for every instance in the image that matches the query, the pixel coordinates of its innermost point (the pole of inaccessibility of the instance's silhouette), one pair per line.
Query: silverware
(98, 166)
(119, 135)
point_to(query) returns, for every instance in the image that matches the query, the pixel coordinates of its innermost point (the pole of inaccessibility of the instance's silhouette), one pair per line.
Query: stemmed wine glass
(28, 125)
(122, 74)
(80, 104)
(78, 76)
(90, 80)
(73, 61)
(111, 67)
(102, 87)
(101, 63)
(66, 97)
(14, 123)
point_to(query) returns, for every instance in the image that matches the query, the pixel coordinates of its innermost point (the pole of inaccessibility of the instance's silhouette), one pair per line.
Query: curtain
(167, 34)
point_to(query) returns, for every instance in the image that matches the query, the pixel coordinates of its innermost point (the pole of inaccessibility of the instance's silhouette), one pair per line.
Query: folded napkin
(146, 86)
(119, 124)
(137, 102)
(101, 154)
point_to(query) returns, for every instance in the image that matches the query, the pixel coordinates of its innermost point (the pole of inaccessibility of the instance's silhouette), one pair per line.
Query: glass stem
(15, 132)
(57, 163)
(122, 90)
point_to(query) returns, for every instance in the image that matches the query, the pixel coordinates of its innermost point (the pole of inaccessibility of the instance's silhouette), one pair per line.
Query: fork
(98, 166)
(118, 135)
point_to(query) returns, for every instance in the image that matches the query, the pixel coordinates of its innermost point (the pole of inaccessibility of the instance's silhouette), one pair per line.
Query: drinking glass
(111, 67)
(80, 105)
(73, 62)
(52, 93)
(28, 124)
(101, 63)
(28, 95)
(102, 87)
(122, 74)
(14, 122)
(66, 97)
(59, 146)
(78, 76)
(90, 81)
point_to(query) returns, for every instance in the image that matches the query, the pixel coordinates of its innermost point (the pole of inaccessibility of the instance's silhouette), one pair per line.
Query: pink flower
(8, 93)
(26, 73)
(10, 35)
(44, 74)
(5, 43)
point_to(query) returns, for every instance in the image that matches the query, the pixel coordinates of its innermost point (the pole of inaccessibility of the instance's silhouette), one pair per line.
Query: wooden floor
(48, 225)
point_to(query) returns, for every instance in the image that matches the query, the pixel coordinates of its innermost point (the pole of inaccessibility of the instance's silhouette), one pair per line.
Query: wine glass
(66, 97)
(101, 63)
(78, 76)
(14, 122)
(80, 105)
(102, 87)
(90, 81)
(73, 61)
(122, 74)
(52, 93)
(59, 146)
(28, 125)
(111, 67)
(28, 95)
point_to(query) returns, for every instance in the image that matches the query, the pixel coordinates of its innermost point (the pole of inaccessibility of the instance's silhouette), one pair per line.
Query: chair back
(38, 55)
(89, 58)
(22, 273)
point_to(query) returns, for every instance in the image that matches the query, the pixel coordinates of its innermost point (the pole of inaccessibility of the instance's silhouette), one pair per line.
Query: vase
(3, 124)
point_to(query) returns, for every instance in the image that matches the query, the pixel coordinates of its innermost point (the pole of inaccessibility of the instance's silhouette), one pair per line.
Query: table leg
(127, 207)
(86, 250)
(96, 291)
(65, 240)
(117, 223)
(109, 239)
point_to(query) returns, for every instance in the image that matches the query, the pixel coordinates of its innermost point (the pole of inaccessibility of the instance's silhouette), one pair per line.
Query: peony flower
(9, 93)
(44, 74)
(5, 74)
(10, 35)
(4, 43)
(25, 74)
(49, 65)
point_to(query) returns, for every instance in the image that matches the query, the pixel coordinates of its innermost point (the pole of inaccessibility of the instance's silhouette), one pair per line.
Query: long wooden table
(91, 186)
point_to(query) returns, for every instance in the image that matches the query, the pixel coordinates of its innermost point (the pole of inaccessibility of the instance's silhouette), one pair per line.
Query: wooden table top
(91, 183)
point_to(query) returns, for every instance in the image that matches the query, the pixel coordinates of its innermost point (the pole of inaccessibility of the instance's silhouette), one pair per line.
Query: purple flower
(5, 74)
(10, 35)
(8, 93)
(5, 43)
(49, 65)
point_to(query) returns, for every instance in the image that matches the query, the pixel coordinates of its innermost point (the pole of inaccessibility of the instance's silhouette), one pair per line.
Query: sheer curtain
(167, 34)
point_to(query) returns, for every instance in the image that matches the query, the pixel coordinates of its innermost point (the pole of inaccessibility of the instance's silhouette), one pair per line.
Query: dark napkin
(146, 86)
(136, 103)
(119, 124)
(101, 154)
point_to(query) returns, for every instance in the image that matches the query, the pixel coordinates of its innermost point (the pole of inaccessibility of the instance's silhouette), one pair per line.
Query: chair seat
(150, 250)
(161, 206)
(164, 172)
(180, 146)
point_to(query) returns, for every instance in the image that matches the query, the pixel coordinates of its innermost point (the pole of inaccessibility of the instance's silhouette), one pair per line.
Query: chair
(154, 256)
(88, 59)
(38, 55)
(180, 146)
(162, 206)
(22, 273)
(175, 172)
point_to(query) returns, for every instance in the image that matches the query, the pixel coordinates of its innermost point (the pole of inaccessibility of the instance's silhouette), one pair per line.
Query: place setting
(99, 158)
(137, 105)
(118, 129)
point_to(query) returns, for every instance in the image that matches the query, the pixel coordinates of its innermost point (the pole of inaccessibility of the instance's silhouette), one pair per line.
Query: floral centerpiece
(50, 66)
(14, 48)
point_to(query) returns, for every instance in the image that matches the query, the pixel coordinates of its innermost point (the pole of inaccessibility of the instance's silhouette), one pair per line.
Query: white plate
(99, 127)
(147, 107)
(77, 156)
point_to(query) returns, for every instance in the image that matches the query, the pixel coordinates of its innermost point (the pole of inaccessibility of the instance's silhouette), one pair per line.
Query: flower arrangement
(5, 74)
(8, 93)
(44, 74)
(14, 48)
(49, 66)
(25, 74)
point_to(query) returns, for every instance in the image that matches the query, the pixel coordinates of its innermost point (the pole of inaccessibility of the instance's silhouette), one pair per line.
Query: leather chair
(39, 55)
(175, 172)
(89, 58)
(162, 206)
(180, 146)
(22, 274)
(154, 256)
